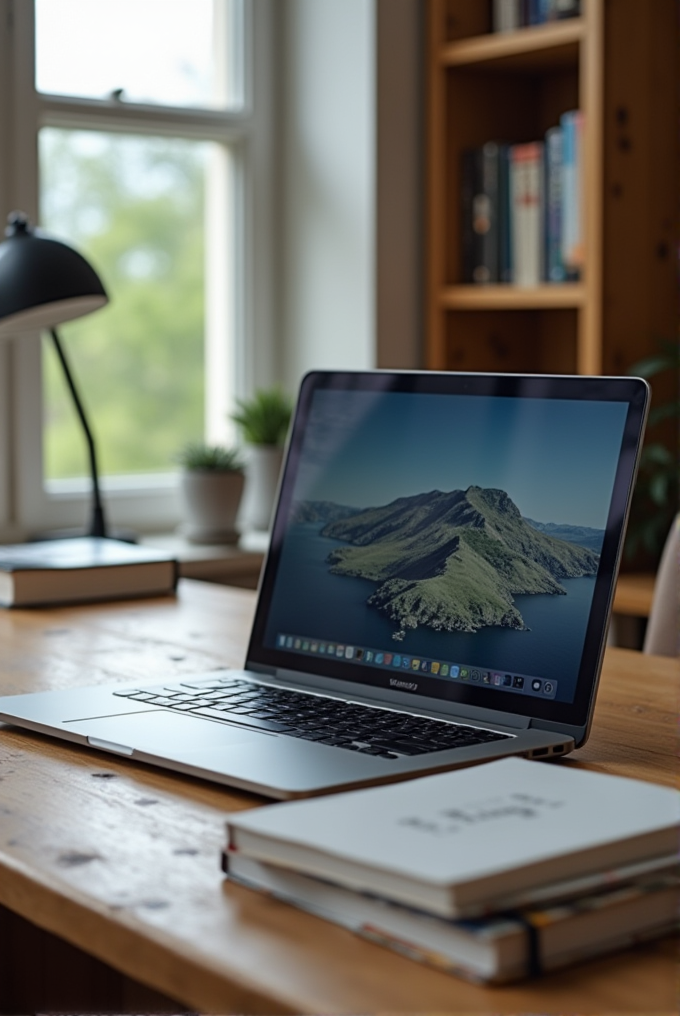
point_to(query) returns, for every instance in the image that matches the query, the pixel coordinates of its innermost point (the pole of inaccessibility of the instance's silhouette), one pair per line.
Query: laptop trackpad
(162, 732)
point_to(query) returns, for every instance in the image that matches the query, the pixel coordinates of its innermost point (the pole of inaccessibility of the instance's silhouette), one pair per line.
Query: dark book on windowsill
(80, 570)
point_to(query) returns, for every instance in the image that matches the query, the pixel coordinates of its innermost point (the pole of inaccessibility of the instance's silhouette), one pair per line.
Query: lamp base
(126, 535)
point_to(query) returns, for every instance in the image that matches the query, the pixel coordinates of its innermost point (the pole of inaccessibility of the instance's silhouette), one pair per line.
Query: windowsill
(227, 564)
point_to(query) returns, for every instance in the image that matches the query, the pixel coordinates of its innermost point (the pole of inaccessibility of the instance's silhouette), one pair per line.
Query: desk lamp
(43, 283)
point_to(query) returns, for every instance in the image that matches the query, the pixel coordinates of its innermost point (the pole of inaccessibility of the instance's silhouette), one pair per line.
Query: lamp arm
(98, 524)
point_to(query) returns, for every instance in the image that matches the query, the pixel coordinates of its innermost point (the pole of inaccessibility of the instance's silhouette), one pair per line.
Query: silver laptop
(436, 594)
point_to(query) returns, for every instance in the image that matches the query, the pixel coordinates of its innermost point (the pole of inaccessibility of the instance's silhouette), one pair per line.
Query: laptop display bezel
(634, 392)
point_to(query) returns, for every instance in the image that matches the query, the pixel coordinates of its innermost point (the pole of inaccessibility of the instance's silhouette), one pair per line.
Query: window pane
(173, 52)
(135, 208)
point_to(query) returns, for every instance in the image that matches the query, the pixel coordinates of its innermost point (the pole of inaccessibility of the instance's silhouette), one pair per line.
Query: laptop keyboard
(371, 730)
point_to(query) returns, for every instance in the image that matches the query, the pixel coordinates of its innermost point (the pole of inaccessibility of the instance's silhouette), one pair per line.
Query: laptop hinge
(403, 700)
(569, 730)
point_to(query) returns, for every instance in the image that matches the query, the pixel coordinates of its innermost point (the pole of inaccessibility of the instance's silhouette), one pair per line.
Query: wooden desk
(122, 860)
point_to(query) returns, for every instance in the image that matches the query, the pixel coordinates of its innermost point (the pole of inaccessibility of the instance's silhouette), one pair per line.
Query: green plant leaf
(665, 412)
(264, 418)
(658, 489)
(655, 455)
(199, 456)
(667, 359)
(649, 367)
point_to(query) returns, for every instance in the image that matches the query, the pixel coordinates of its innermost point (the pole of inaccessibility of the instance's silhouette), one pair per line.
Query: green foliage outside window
(135, 208)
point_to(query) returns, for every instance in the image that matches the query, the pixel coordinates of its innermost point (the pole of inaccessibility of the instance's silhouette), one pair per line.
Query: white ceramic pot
(263, 465)
(211, 504)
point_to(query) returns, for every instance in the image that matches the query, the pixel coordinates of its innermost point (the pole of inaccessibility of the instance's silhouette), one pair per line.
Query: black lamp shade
(43, 282)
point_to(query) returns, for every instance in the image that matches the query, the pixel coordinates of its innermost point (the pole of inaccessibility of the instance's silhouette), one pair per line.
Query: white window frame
(28, 503)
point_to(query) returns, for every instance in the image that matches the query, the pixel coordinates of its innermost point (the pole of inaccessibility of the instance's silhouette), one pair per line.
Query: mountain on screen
(320, 511)
(453, 561)
(585, 536)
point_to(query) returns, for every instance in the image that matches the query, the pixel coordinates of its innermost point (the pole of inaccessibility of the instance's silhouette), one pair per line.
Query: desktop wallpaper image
(460, 528)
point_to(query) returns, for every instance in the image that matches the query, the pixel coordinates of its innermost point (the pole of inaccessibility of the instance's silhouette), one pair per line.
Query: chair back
(663, 628)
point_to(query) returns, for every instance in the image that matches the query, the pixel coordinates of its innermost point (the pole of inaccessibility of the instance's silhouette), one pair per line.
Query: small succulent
(265, 417)
(200, 456)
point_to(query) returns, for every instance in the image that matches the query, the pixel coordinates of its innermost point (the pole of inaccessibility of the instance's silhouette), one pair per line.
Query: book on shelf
(468, 842)
(468, 239)
(82, 569)
(536, 12)
(564, 9)
(506, 15)
(509, 15)
(572, 193)
(554, 261)
(527, 213)
(485, 214)
(504, 218)
(618, 909)
(521, 209)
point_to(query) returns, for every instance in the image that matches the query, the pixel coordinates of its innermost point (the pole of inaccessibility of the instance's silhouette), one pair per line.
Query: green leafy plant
(200, 456)
(655, 500)
(265, 417)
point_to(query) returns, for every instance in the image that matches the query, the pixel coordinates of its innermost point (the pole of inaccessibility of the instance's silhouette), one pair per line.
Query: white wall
(326, 254)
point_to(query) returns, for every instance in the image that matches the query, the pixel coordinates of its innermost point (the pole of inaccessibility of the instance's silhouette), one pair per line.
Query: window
(137, 206)
(135, 133)
(176, 53)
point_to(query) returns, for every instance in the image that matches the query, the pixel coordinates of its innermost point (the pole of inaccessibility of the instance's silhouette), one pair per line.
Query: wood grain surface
(122, 860)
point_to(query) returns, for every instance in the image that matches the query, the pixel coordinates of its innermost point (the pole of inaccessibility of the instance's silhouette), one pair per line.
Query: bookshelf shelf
(508, 297)
(618, 64)
(529, 48)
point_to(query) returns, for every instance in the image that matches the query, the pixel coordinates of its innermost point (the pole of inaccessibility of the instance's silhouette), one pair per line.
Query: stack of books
(494, 873)
(509, 15)
(521, 208)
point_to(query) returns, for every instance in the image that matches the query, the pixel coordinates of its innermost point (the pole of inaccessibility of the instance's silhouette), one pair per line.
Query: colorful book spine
(538, 12)
(526, 194)
(522, 209)
(572, 194)
(508, 15)
(554, 262)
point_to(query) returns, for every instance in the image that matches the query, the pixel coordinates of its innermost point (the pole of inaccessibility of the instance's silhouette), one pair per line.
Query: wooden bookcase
(617, 62)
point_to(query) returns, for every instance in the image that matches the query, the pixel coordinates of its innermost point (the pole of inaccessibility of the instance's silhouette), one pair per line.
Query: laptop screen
(453, 536)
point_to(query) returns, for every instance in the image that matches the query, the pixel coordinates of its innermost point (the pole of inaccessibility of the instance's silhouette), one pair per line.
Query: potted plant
(212, 487)
(263, 421)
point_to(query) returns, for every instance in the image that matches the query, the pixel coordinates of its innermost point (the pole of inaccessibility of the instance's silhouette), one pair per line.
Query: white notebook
(466, 842)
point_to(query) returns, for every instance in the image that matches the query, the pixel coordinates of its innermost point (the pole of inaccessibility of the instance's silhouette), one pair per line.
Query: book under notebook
(500, 947)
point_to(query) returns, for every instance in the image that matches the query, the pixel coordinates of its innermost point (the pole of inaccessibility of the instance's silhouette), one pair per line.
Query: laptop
(436, 594)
